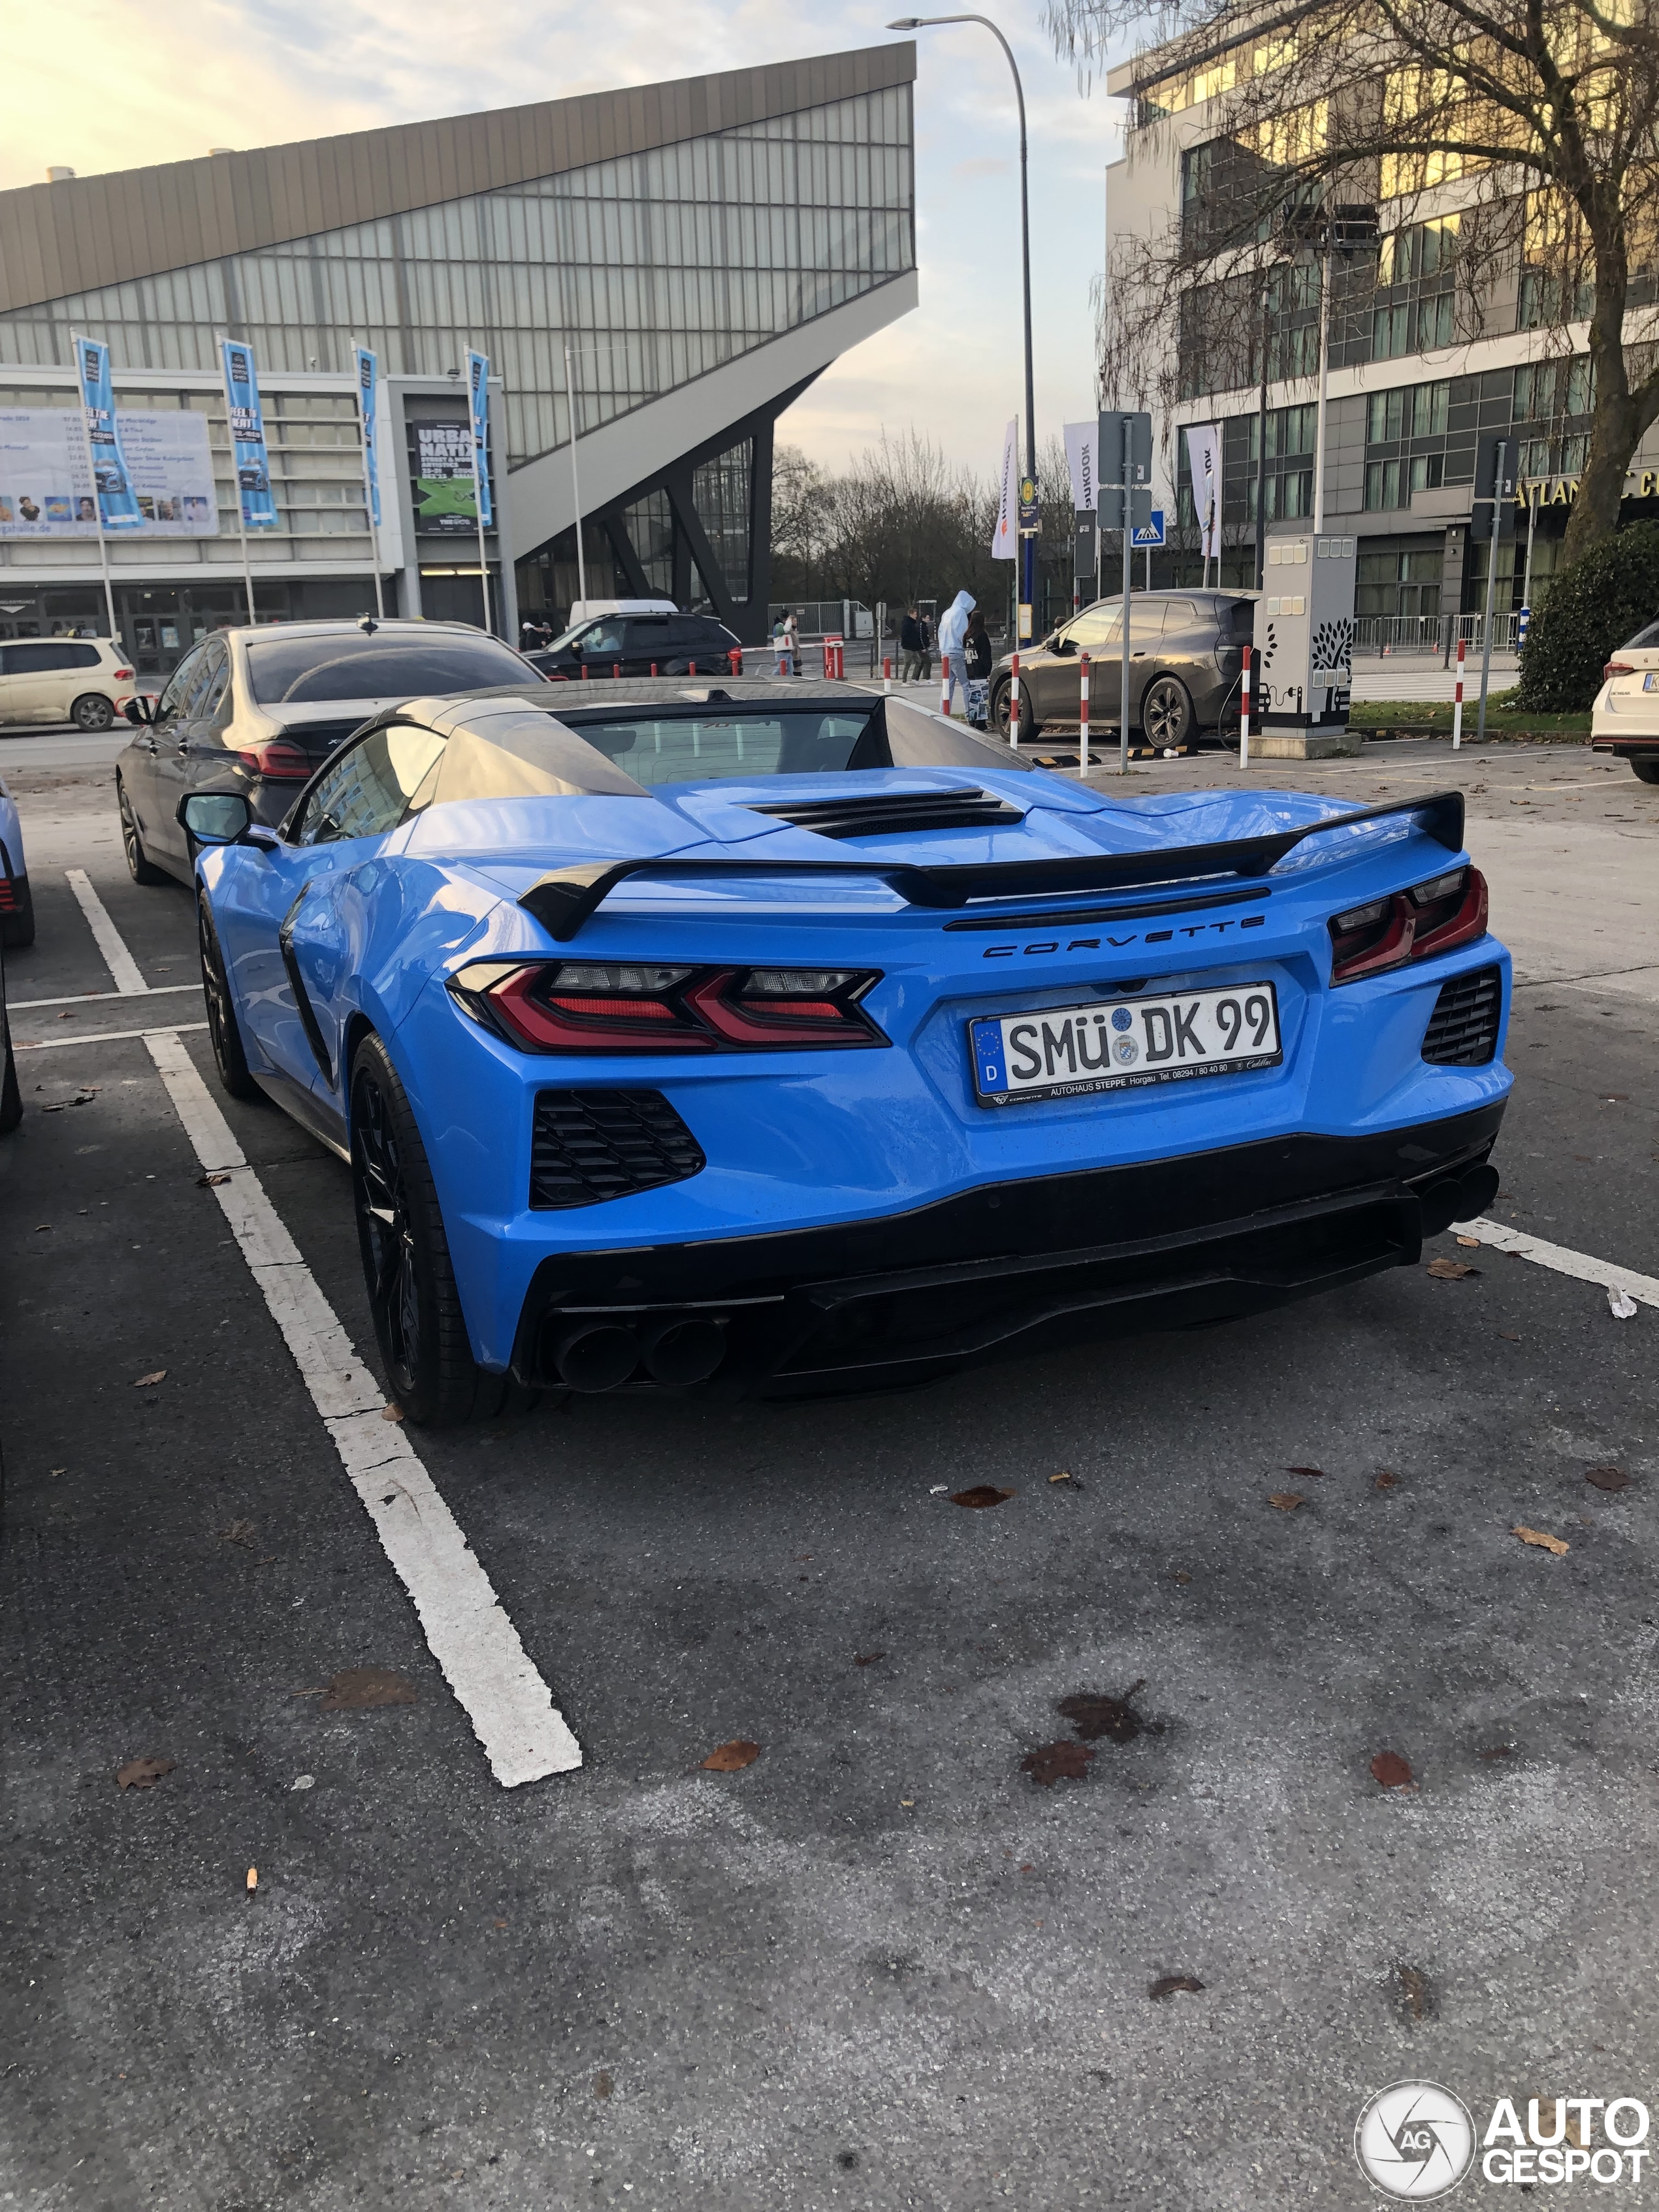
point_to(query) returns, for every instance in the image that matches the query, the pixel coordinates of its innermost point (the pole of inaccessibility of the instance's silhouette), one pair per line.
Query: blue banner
(247, 438)
(368, 372)
(117, 503)
(477, 377)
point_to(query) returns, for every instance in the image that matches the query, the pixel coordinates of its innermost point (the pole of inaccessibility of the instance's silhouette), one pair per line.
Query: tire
(92, 711)
(229, 1060)
(17, 930)
(419, 1322)
(998, 719)
(141, 870)
(1647, 769)
(1167, 720)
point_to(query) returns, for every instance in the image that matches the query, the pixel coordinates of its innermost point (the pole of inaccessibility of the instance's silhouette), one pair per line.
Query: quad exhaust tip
(679, 1349)
(1457, 1198)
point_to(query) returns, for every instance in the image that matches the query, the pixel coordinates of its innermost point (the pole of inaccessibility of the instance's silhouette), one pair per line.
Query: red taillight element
(1432, 917)
(122, 675)
(579, 1005)
(8, 896)
(1616, 668)
(276, 758)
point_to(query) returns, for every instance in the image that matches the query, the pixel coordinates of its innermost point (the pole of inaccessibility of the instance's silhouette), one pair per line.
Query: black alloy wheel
(998, 718)
(92, 711)
(412, 1294)
(1166, 715)
(141, 870)
(229, 1060)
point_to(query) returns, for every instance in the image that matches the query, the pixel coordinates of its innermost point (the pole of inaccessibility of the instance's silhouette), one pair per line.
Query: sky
(176, 76)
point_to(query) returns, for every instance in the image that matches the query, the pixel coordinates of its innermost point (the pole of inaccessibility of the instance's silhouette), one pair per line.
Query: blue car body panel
(805, 1140)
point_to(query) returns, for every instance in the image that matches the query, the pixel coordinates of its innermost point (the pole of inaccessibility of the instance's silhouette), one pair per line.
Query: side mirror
(215, 818)
(1059, 644)
(139, 711)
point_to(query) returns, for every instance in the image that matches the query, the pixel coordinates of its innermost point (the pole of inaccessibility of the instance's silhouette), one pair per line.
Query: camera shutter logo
(1414, 2139)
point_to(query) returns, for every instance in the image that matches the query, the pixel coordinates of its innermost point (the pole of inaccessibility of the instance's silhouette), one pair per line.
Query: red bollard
(735, 657)
(616, 671)
(653, 668)
(1083, 715)
(1013, 705)
(887, 671)
(692, 667)
(1244, 710)
(944, 683)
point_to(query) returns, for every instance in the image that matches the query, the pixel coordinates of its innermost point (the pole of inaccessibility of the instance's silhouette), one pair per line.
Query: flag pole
(235, 478)
(368, 499)
(97, 499)
(478, 466)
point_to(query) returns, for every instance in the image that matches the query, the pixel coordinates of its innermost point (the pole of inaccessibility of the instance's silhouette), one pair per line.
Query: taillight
(582, 1006)
(122, 675)
(274, 757)
(1617, 668)
(1432, 916)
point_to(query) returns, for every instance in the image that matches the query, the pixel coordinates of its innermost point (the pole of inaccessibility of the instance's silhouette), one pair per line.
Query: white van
(83, 680)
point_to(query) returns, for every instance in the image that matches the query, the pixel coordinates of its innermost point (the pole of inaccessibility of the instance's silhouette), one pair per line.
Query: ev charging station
(1303, 656)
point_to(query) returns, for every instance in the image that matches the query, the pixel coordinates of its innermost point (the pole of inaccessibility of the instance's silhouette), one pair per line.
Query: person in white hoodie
(952, 645)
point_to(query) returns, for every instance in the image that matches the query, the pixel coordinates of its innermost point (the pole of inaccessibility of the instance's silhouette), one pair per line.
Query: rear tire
(141, 870)
(1028, 728)
(92, 711)
(419, 1322)
(1166, 715)
(229, 1060)
(17, 930)
(1648, 771)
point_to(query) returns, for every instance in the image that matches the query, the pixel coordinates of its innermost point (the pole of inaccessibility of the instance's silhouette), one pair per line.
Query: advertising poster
(247, 433)
(1080, 463)
(368, 370)
(1204, 459)
(1005, 539)
(111, 485)
(477, 377)
(443, 477)
(46, 492)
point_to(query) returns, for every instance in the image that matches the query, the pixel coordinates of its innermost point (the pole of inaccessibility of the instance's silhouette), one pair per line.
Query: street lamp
(1028, 545)
(1349, 227)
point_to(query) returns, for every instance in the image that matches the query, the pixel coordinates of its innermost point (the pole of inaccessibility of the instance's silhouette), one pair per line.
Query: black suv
(639, 645)
(1185, 659)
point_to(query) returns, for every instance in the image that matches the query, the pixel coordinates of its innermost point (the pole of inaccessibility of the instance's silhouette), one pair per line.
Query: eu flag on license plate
(988, 1056)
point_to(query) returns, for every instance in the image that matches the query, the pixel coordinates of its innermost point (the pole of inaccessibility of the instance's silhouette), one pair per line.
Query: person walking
(780, 649)
(910, 647)
(926, 630)
(978, 662)
(791, 644)
(952, 638)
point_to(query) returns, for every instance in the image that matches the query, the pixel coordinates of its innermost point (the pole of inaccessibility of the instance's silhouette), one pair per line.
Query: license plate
(1124, 1044)
(1650, 681)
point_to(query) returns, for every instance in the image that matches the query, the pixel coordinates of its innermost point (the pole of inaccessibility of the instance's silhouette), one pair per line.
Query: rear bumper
(1642, 748)
(1035, 1264)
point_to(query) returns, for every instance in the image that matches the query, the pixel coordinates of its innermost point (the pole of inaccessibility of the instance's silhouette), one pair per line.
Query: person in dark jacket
(978, 660)
(910, 646)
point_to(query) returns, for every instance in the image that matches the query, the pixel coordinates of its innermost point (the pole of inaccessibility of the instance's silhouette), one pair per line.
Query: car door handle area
(302, 1005)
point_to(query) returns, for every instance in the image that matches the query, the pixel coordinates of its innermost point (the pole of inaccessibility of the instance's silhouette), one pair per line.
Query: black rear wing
(563, 901)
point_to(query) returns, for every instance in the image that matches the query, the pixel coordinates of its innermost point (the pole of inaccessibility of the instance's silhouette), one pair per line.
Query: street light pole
(1028, 545)
(576, 486)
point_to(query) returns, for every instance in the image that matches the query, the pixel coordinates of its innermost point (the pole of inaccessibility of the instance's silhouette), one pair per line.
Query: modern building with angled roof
(703, 249)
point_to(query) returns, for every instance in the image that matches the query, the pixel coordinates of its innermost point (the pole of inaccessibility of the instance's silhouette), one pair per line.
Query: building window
(1435, 323)
(720, 492)
(1383, 484)
(1396, 581)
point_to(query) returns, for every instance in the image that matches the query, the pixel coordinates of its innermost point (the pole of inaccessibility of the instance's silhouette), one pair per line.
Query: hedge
(1594, 606)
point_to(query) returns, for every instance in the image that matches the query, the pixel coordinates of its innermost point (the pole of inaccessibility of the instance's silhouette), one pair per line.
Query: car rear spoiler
(563, 901)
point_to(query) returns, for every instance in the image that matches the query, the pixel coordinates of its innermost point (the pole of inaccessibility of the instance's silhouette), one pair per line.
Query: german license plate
(1650, 681)
(1123, 1044)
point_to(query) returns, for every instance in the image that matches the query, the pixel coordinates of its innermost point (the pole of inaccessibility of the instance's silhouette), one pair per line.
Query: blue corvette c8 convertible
(790, 1041)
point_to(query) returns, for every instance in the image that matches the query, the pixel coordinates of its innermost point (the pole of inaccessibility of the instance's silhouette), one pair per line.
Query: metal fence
(1432, 635)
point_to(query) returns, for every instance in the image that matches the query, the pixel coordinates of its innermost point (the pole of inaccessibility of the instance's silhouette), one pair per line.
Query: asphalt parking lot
(885, 1964)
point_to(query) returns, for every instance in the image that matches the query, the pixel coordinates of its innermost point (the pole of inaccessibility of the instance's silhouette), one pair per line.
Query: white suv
(83, 680)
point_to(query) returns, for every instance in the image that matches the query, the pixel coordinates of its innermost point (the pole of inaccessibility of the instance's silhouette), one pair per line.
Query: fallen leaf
(1470, 1243)
(210, 1181)
(1096, 1716)
(1318, 1473)
(392, 1412)
(1065, 1475)
(1614, 1097)
(252, 1880)
(1388, 1479)
(1167, 1984)
(145, 1382)
(1391, 1770)
(981, 1496)
(867, 1658)
(1545, 1543)
(1498, 1751)
(1286, 1500)
(142, 1773)
(240, 1532)
(1608, 1478)
(731, 1758)
(1415, 1992)
(1509, 1335)
(356, 1689)
(1621, 1305)
(1450, 1271)
(41, 1227)
(1056, 1762)
(603, 2085)
(1179, 1575)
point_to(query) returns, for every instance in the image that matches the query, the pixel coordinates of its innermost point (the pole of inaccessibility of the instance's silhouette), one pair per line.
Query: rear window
(687, 749)
(285, 670)
(1646, 638)
(48, 657)
(1239, 621)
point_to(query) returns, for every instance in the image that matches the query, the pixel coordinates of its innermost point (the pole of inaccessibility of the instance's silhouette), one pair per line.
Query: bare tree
(1515, 144)
(901, 523)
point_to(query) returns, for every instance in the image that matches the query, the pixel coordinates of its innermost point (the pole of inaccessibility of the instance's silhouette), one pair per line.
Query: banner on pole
(247, 438)
(477, 377)
(369, 371)
(111, 482)
(1004, 541)
(1204, 459)
(1080, 439)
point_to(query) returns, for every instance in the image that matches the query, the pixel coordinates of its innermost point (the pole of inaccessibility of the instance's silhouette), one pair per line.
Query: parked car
(16, 900)
(1186, 654)
(1625, 720)
(259, 709)
(785, 1042)
(83, 680)
(638, 645)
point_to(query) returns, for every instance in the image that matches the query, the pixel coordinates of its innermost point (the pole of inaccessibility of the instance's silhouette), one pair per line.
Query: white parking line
(122, 968)
(1557, 1257)
(101, 997)
(100, 1037)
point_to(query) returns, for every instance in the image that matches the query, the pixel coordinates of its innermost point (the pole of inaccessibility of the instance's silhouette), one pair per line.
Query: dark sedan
(639, 645)
(1185, 659)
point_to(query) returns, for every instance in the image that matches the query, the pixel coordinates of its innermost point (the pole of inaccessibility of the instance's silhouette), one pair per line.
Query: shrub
(1593, 606)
